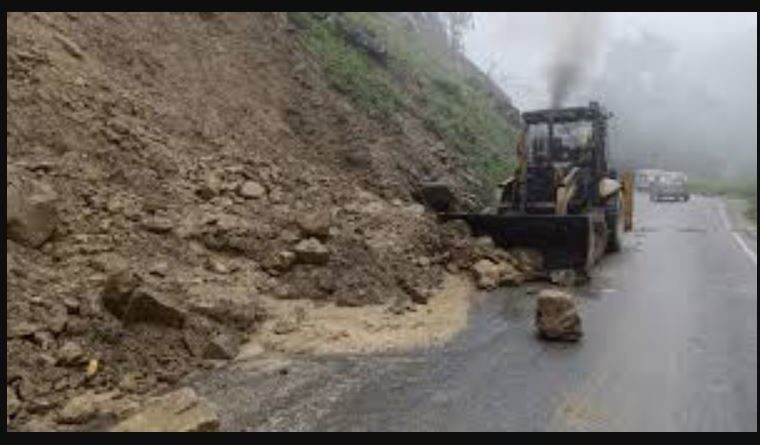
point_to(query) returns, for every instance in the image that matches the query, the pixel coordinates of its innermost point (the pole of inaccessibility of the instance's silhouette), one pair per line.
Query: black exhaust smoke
(578, 38)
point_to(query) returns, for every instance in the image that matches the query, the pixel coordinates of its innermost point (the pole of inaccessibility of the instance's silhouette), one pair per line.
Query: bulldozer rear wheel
(616, 228)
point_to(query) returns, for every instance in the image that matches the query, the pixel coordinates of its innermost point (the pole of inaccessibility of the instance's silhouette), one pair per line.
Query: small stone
(284, 260)
(158, 224)
(251, 190)
(311, 251)
(71, 354)
(223, 346)
(217, 266)
(315, 224)
(210, 188)
(71, 305)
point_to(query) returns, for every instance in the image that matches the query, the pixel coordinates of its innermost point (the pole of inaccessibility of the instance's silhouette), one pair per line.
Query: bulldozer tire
(615, 233)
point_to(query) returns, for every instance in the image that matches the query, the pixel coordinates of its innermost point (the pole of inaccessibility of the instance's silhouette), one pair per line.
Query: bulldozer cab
(564, 201)
(562, 147)
(564, 143)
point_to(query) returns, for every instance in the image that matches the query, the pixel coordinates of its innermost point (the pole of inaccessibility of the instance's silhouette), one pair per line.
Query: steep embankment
(172, 177)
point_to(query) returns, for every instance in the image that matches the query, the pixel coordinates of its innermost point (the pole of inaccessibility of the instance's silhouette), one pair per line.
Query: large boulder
(148, 306)
(557, 316)
(127, 299)
(181, 411)
(32, 213)
(228, 305)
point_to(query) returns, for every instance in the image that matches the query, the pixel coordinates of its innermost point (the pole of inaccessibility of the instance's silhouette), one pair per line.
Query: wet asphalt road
(670, 345)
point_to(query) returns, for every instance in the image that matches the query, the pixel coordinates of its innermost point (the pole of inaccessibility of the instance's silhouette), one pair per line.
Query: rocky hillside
(168, 174)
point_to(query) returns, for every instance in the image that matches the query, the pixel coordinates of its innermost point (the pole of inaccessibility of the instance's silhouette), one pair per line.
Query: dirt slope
(200, 164)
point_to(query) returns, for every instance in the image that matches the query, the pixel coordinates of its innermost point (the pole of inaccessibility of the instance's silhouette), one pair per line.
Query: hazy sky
(692, 106)
(519, 44)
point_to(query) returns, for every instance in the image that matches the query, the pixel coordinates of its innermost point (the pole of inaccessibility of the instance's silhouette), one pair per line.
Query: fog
(682, 86)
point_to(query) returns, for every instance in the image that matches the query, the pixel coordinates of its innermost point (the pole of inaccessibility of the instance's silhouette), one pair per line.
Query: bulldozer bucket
(566, 242)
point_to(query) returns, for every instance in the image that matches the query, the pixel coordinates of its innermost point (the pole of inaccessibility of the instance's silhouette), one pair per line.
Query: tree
(457, 23)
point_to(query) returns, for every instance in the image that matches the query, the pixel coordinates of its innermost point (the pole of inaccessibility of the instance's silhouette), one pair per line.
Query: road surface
(670, 345)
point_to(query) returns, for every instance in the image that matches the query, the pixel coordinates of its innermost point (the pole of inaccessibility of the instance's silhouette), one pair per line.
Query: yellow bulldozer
(564, 199)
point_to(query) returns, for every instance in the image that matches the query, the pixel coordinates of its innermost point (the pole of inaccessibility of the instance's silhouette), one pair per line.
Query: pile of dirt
(167, 174)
